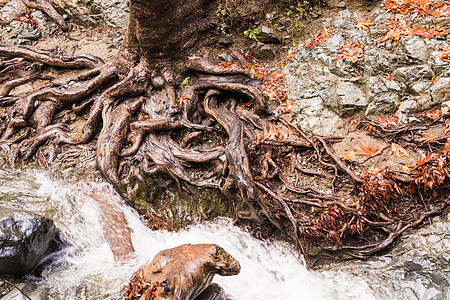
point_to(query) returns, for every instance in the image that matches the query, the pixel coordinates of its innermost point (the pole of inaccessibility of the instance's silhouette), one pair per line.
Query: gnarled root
(147, 125)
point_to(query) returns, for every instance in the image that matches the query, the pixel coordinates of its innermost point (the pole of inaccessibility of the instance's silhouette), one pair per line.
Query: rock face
(25, 239)
(383, 79)
(97, 12)
(185, 272)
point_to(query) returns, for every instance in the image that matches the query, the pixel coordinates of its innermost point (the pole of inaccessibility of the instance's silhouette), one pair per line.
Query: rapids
(87, 270)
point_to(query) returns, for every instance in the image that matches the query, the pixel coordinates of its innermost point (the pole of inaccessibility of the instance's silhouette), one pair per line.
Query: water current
(270, 270)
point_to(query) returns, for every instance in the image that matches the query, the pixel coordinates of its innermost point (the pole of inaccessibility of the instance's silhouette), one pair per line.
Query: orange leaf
(366, 149)
(277, 74)
(363, 25)
(225, 64)
(398, 150)
(433, 115)
(183, 100)
(445, 55)
(426, 139)
(349, 155)
(285, 107)
(447, 147)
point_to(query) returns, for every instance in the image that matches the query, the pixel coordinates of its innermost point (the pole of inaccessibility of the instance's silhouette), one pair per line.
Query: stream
(270, 270)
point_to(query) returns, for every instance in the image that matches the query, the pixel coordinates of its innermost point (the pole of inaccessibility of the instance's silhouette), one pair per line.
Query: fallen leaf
(366, 149)
(427, 139)
(349, 155)
(398, 150)
(363, 25)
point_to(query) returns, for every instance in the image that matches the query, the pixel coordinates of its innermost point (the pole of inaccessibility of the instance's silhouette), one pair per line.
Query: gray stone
(11, 11)
(408, 106)
(342, 19)
(440, 91)
(377, 61)
(327, 123)
(445, 107)
(343, 98)
(421, 87)
(268, 35)
(410, 75)
(19, 33)
(225, 57)
(341, 4)
(110, 13)
(416, 48)
(262, 51)
(382, 103)
(332, 44)
(355, 35)
(224, 41)
(307, 107)
(414, 121)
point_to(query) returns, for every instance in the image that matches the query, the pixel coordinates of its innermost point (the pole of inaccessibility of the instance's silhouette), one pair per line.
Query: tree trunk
(169, 29)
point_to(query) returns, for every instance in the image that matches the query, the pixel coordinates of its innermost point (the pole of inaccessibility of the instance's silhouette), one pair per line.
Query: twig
(17, 288)
(338, 161)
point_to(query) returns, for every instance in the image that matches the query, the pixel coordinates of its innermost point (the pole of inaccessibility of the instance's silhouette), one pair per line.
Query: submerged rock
(25, 239)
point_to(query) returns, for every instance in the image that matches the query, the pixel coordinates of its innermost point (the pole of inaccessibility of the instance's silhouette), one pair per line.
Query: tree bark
(168, 30)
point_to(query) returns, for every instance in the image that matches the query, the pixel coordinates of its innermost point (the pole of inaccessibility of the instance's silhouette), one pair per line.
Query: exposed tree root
(47, 8)
(145, 124)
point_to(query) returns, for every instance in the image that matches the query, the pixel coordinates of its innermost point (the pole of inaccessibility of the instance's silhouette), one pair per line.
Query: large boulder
(25, 239)
(183, 273)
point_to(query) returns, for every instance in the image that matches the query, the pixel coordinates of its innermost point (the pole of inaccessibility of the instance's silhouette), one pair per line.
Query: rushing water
(87, 270)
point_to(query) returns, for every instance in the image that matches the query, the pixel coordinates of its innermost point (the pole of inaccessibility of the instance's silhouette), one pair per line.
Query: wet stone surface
(25, 239)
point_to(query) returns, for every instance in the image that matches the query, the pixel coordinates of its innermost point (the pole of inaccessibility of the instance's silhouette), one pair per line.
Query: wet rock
(268, 35)
(25, 239)
(184, 272)
(212, 292)
(262, 51)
